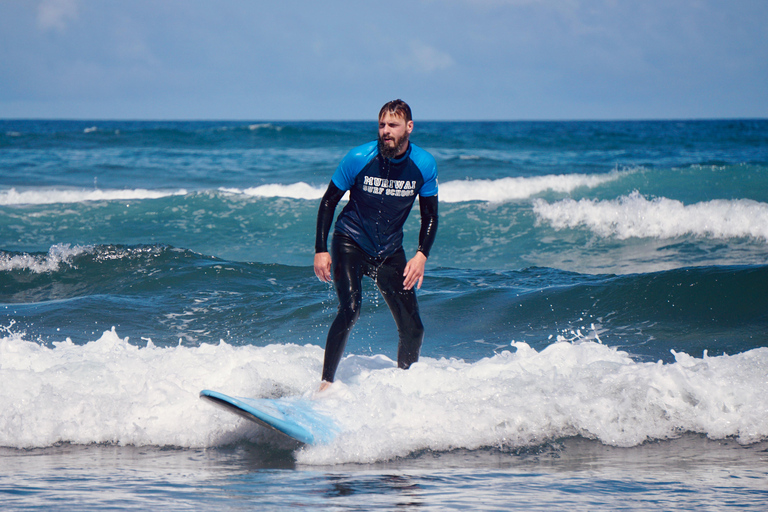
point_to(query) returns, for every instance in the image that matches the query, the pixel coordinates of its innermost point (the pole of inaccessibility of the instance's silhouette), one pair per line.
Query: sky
(341, 60)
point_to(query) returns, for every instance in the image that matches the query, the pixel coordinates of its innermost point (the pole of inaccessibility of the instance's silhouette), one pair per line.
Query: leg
(348, 270)
(404, 307)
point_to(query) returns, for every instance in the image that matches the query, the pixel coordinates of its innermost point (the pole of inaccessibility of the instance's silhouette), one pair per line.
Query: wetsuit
(368, 238)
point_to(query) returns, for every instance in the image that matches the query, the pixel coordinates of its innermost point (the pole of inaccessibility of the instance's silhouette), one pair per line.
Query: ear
(409, 127)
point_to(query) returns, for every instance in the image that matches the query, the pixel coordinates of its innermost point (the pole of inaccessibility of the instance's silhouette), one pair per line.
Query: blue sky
(331, 60)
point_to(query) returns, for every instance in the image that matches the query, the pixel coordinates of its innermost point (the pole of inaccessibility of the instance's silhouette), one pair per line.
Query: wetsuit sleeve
(428, 167)
(325, 213)
(352, 164)
(428, 232)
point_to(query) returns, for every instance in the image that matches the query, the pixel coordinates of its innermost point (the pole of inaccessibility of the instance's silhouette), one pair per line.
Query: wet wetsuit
(368, 239)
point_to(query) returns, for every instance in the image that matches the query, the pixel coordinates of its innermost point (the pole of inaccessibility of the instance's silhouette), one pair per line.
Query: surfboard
(294, 416)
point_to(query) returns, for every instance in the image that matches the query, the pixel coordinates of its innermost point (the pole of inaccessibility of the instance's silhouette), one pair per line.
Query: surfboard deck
(294, 417)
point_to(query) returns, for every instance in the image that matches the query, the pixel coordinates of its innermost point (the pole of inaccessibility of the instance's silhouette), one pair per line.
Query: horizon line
(287, 120)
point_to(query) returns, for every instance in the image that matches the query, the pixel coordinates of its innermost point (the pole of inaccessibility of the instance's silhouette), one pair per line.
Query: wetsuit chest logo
(397, 188)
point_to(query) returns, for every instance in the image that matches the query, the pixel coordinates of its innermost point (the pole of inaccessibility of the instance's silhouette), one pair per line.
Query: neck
(404, 151)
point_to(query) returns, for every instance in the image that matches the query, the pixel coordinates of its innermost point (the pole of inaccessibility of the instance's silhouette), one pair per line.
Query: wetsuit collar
(405, 155)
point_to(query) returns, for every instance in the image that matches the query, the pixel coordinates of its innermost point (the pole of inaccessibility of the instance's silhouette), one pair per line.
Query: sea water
(595, 308)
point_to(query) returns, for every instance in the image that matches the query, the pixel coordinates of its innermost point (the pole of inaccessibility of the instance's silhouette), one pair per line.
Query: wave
(39, 263)
(298, 190)
(115, 392)
(61, 258)
(13, 197)
(636, 216)
(99, 272)
(499, 190)
(715, 308)
(509, 189)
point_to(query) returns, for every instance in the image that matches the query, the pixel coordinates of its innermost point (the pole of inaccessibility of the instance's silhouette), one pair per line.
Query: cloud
(505, 59)
(426, 59)
(56, 14)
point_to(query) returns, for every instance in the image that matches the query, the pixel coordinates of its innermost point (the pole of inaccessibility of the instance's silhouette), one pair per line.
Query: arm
(428, 232)
(325, 213)
(414, 270)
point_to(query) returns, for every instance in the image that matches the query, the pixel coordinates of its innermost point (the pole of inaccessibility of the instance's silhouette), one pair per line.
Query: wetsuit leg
(348, 270)
(404, 307)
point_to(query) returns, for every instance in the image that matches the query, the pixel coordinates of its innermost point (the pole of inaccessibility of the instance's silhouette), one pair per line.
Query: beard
(387, 151)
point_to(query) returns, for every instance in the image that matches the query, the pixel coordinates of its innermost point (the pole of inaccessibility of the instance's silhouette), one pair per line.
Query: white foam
(57, 255)
(298, 190)
(504, 189)
(264, 126)
(54, 196)
(110, 391)
(509, 189)
(637, 216)
(528, 397)
(500, 190)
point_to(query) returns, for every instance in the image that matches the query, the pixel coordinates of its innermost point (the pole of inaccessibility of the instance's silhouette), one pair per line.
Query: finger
(407, 277)
(410, 280)
(322, 266)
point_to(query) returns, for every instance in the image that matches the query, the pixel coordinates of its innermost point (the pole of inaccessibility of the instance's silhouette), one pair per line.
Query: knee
(415, 332)
(414, 329)
(350, 311)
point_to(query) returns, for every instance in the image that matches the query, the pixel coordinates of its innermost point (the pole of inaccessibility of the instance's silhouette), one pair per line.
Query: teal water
(595, 310)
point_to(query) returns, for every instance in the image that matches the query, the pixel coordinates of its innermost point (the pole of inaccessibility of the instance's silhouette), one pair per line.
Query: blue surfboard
(294, 417)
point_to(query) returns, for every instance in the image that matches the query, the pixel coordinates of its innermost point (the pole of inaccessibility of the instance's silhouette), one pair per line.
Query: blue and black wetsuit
(368, 240)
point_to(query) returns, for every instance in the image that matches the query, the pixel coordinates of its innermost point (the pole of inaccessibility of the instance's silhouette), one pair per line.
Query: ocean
(595, 306)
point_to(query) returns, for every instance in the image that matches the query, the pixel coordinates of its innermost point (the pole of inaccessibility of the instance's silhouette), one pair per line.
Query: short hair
(397, 108)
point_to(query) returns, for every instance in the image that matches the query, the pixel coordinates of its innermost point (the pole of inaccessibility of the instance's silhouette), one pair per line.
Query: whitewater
(111, 391)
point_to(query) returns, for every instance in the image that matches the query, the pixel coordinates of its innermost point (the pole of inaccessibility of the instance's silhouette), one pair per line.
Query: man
(383, 178)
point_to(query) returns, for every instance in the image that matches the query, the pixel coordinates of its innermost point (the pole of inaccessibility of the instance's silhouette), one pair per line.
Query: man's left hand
(414, 271)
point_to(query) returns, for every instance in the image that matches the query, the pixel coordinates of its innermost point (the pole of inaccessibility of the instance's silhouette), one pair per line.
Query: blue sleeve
(428, 167)
(352, 164)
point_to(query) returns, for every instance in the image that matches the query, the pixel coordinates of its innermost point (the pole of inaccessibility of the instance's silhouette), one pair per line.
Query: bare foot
(324, 385)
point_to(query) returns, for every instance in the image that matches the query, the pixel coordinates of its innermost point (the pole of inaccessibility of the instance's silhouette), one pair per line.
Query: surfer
(383, 178)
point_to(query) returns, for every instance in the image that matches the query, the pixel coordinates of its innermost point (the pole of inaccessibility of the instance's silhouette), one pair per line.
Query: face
(393, 135)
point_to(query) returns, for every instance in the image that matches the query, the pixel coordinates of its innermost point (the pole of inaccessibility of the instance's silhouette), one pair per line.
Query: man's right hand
(323, 266)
